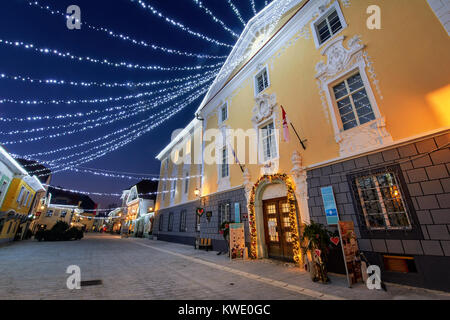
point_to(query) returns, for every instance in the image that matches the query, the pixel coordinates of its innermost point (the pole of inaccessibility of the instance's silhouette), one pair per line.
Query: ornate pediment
(264, 107)
(338, 57)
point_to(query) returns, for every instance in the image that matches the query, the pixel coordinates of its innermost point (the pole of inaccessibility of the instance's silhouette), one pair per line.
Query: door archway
(258, 247)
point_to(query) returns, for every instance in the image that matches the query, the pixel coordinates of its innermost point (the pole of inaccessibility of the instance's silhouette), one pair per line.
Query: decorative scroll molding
(247, 183)
(373, 75)
(364, 137)
(338, 57)
(264, 107)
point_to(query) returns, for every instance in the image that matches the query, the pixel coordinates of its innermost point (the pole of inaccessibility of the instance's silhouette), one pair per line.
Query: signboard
(349, 249)
(237, 241)
(329, 204)
(237, 212)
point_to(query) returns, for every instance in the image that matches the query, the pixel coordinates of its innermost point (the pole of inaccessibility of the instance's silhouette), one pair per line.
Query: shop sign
(329, 204)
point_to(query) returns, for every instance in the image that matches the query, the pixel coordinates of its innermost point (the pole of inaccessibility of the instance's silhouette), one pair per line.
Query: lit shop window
(382, 202)
(352, 102)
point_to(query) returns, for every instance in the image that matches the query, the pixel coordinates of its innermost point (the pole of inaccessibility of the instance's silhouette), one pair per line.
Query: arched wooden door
(278, 229)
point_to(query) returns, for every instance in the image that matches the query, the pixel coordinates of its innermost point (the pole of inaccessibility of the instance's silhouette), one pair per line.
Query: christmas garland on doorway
(292, 215)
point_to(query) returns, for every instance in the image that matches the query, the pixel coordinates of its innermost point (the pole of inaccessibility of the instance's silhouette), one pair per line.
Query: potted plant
(315, 246)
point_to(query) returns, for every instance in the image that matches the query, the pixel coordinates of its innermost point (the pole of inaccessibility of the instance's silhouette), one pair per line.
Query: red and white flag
(286, 135)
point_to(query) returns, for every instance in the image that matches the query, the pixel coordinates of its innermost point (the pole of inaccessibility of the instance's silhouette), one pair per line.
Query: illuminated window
(353, 102)
(272, 226)
(63, 214)
(49, 213)
(382, 202)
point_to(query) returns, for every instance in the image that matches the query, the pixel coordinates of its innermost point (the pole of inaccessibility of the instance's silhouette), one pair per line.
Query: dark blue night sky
(21, 22)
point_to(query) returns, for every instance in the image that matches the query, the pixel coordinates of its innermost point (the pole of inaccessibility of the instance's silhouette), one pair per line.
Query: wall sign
(237, 241)
(237, 212)
(329, 204)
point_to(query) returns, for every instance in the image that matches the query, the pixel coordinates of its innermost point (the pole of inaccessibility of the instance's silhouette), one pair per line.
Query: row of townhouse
(136, 215)
(20, 195)
(371, 107)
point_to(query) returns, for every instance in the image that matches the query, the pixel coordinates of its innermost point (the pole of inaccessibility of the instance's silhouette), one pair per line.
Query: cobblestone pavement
(136, 269)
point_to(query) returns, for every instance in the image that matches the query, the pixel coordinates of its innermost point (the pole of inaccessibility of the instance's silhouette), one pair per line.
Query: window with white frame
(224, 211)
(353, 102)
(186, 182)
(21, 194)
(223, 113)
(261, 81)
(382, 201)
(328, 26)
(164, 187)
(3, 189)
(224, 169)
(183, 221)
(268, 142)
(174, 189)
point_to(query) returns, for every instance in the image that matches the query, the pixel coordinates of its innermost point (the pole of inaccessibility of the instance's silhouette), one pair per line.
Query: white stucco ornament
(264, 107)
(338, 57)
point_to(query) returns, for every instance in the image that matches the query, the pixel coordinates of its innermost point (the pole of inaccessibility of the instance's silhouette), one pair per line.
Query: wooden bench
(203, 243)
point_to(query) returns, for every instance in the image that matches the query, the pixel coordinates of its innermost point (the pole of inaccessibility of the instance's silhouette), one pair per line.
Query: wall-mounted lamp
(197, 192)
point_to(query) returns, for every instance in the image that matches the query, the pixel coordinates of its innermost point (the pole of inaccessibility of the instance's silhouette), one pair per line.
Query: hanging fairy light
(253, 6)
(124, 115)
(179, 25)
(103, 61)
(92, 193)
(97, 100)
(209, 12)
(236, 12)
(128, 38)
(146, 128)
(102, 84)
(122, 176)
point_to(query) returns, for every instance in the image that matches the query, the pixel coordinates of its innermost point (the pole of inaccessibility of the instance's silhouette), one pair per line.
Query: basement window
(399, 264)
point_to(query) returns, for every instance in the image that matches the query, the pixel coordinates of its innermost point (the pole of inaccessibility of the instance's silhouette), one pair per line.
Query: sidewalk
(288, 276)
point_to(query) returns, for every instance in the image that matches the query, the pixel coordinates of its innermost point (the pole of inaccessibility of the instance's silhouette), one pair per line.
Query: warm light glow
(197, 192)
(440, 102)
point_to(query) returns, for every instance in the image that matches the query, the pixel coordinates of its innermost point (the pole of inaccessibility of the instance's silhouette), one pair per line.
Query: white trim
(178, 138)
(219, 116)
(6, 158)
(260, 70)
(326, 12)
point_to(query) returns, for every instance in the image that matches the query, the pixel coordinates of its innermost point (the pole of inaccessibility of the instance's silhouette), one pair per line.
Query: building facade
(367, 113)
(19, 193)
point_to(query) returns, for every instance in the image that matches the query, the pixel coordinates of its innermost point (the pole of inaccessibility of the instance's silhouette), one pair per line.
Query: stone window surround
(360, 67)
(414, 232)
(334, 6)
(271, 119)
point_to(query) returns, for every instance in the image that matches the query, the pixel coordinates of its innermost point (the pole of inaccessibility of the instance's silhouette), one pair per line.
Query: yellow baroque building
(366, 92)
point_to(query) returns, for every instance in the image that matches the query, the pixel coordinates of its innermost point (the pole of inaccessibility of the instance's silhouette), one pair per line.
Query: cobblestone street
(138, 269)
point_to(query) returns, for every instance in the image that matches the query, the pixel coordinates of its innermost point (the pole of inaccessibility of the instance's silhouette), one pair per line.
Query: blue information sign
(237, 212)
(330, 205)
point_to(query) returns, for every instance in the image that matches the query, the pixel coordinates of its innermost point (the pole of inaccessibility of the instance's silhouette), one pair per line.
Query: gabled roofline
(178, 138)
(11, 162)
